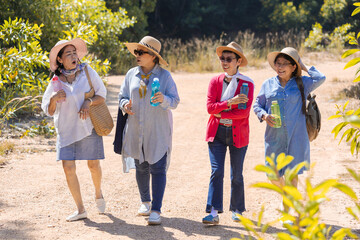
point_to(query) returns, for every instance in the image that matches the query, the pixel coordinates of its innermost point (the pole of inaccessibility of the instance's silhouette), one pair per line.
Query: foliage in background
(305, 208)
(23, 68)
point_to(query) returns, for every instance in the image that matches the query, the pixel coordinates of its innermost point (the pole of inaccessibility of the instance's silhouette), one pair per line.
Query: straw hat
(235, 48)
(78, 43)
(291, 52)
(151, 44)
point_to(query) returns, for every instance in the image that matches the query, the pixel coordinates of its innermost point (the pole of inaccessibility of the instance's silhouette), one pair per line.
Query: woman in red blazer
(228, 126)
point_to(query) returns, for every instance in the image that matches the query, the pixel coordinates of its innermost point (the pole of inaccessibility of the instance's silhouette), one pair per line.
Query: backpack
(313, 118)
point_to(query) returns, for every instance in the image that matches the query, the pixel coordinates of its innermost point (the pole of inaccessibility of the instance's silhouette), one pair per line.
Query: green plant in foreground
(306, 207)
(350, 117)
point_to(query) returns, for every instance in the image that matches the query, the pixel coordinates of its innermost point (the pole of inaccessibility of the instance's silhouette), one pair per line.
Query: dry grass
(6, 147)
(199, 55)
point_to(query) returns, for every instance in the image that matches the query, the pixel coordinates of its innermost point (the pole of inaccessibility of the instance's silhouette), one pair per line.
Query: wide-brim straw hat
(151, 44)
(291, 52)
(235, 48)
(78, 43)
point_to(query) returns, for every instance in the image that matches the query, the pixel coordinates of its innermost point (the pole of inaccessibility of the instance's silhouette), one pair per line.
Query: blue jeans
(217, 152)
(158, 181)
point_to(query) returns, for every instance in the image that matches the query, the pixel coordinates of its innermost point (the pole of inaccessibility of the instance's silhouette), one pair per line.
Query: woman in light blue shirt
(290, 89)
(147, 134)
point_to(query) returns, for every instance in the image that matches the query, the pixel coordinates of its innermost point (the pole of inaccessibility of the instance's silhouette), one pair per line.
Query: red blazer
(240, 117)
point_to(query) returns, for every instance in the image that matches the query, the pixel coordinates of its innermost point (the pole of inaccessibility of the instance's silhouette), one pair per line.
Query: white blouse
(69, 126)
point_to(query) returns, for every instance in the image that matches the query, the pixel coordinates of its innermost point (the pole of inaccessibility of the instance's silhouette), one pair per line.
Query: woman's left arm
(314, 81)
(170, 98)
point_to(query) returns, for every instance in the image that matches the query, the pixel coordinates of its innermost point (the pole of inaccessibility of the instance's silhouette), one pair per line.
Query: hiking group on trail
(144, 133)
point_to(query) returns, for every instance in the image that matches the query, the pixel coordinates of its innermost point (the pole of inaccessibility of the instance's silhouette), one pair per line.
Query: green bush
(315, 39)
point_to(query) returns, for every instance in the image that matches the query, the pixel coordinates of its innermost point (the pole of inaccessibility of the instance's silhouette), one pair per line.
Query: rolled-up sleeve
(260, 102)
(171, 96)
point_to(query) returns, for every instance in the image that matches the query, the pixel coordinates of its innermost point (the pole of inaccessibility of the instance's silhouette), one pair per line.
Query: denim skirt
(88, 148)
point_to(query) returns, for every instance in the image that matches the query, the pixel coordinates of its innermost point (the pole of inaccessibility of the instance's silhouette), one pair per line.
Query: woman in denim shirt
(290, 89)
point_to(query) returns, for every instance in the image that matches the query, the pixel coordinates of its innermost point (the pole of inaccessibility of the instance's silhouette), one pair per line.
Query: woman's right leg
(143, 180)
(69, 167)
(217, 152)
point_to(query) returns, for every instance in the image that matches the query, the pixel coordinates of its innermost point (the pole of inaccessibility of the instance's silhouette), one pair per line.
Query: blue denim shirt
(147, 133)
(292, 137)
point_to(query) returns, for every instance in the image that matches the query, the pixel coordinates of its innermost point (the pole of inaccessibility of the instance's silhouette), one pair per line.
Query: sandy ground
(35, 200)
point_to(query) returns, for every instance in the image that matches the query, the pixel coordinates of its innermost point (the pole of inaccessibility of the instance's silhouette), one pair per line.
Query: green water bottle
(275, 112)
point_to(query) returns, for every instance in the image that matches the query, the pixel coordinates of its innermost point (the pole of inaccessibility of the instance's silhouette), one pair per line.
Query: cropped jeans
(158, 181)
(217, 152)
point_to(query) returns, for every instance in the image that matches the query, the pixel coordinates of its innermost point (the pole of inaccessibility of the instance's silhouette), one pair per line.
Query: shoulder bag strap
(88, 76)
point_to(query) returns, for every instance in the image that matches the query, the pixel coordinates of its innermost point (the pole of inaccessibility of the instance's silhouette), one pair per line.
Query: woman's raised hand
(127, 108)
(302, 65)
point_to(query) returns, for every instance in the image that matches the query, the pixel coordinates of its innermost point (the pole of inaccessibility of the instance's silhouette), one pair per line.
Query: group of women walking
(147, 135)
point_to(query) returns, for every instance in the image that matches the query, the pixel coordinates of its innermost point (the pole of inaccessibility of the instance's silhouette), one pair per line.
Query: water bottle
(275, 112)
(155, 87)
(57, 86)
(244, 90)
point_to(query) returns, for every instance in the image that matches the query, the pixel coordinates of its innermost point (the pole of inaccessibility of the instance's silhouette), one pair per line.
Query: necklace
(67, 80)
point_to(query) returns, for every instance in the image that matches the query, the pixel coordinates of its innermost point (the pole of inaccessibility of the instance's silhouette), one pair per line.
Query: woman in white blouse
(76, 137)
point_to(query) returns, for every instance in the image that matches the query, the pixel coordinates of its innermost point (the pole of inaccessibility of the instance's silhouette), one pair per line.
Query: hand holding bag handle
(99, 114)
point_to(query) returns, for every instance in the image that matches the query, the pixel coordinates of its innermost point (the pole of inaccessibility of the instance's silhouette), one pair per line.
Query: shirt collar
(154, 71)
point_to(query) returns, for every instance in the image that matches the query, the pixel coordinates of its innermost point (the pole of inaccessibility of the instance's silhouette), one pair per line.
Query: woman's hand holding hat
(302, 65)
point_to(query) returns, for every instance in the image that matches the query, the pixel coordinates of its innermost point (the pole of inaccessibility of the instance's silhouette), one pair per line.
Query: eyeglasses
(140, 52)
(282, 64)
(226, 59)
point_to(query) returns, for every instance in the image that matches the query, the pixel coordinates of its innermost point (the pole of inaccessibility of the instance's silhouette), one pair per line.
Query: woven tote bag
(99, 114)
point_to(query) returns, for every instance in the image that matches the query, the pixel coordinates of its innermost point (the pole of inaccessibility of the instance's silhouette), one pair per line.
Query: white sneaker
(154, 218)
(100, 204)
(76, 216)
(145, 209)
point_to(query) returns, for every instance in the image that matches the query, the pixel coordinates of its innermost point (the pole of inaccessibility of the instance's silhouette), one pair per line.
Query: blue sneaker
(235, 216)
(209, 219)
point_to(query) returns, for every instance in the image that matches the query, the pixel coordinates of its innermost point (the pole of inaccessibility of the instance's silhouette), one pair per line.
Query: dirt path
(34, 198)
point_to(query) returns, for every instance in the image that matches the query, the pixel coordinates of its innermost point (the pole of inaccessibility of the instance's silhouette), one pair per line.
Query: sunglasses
(140, 52)
(226, 59)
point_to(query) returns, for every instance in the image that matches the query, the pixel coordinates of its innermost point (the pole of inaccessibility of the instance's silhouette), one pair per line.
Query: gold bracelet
(91, 101)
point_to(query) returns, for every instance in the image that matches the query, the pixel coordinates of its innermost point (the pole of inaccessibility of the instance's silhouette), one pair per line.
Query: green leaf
(352, 62)
(325, 185)
(349, 52)
(266, 169)
(268, 186)
(338, 128)
(282, 161)
(357, 79)
(356, 11)
(345, 105)
(353, 120)
(347, 190)
(334, 116)
(292, 191)
(354, 174)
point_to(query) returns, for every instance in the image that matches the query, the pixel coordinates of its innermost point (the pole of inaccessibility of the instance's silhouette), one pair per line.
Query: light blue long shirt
(148, 133)
(292, 138)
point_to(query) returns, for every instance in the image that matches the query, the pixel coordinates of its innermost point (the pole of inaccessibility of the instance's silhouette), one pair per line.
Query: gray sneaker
(154, 218)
